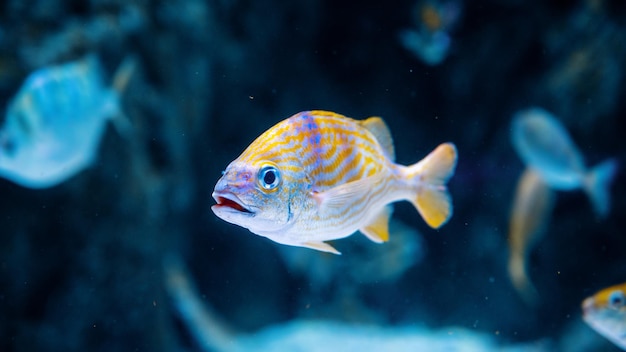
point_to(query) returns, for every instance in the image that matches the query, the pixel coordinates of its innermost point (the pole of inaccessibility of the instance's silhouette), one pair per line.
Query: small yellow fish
(605, 312)
(320, 176)
(532, 206)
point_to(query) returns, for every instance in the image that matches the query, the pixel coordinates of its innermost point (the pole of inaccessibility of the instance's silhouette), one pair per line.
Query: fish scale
(330, 176)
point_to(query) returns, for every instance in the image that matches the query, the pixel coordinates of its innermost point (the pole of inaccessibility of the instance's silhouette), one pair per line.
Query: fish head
(260, 195)
(605, 312)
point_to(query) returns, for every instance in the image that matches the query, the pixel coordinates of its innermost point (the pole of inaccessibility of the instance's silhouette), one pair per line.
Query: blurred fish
(209, 331)
(319, 176)
(533, 204)
(430, 40)
(544, 145)
(366, 263)
(54, 124)
(605, 312)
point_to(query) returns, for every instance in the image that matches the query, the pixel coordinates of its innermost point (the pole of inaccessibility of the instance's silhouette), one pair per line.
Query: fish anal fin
(378, 229)
(320, 246)
(379, 129)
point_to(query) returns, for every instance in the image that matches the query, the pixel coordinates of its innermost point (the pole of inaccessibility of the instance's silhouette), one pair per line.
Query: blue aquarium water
(119, 241)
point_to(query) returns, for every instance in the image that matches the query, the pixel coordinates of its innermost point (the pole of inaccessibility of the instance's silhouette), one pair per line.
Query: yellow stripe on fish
(319, 176)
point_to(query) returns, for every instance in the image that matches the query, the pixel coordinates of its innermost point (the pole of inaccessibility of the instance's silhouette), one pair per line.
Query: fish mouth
(229, 201)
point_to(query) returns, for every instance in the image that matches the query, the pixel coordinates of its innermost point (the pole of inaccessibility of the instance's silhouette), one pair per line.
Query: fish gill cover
(84, 263)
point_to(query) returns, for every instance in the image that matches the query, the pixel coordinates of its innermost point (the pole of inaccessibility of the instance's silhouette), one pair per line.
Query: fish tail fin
(124, 73)
(598, 184)
(121, 79)
(429, 177)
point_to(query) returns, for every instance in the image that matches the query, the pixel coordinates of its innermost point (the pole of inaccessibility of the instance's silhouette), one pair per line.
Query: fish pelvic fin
(378, 229)
(597, 185)
(429, 176)
(320, 246)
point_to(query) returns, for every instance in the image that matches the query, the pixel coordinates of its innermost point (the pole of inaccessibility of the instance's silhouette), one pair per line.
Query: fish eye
(269, 177)
(617, 299)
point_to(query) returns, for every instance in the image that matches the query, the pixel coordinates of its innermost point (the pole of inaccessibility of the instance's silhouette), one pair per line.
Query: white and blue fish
(54, 124)
(545, 146)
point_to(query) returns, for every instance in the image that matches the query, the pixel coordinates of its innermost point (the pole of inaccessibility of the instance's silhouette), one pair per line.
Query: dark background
(81, 264)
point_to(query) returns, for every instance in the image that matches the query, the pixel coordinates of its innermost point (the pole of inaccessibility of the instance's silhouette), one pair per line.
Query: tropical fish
(54, 124)
(544, 145)
(605, 312)
(532, 206)
(320, 176)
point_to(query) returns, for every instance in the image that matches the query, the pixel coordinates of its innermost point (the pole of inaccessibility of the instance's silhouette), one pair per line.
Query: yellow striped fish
(605, 312)
(320, 176)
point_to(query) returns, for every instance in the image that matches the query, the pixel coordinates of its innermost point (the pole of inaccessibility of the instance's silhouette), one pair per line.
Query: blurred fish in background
(87, 265)
(552, 163)
(430, 40)
(544, 145)
(605, 312)
(211, 334)
(344, 280)
(55, 122)
(532, 207)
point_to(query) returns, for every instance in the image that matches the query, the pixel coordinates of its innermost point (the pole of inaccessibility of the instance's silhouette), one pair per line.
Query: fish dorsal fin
(378, 229)
(345, 195)
(379, 129)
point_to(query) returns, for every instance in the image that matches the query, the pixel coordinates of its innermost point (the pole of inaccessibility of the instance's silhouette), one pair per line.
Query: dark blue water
(84, 265)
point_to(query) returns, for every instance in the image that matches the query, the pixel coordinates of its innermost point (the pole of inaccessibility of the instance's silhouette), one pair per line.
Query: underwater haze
(108, 240)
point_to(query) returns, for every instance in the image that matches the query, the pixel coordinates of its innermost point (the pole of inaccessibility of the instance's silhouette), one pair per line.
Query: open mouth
(229, 200)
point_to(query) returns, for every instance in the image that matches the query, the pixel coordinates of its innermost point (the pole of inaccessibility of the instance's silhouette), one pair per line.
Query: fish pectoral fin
(347, 193)
(320, 246)
(378, 229)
